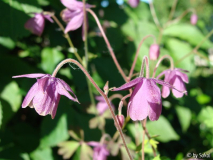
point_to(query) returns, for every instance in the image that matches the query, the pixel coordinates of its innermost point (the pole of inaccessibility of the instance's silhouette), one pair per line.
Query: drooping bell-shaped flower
(154, 51)
(102, 105)
(133, 3)
(37, 23)
(176, 78)
(193, 19)
(45, 94)
(100, 151)
(73, 15)
(145, 99)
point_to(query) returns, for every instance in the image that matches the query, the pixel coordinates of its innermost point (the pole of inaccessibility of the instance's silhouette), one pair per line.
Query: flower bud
(193, 19)
(133, 3)
(120, 119)
(154, 51)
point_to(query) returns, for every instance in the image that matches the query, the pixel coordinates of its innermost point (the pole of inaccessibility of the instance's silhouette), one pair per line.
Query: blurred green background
(186, 124)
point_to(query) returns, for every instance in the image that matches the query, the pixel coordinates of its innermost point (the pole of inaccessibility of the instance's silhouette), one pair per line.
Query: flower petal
(168, 85)
(55, 105)
(44, 101)
(153, 96)
(36, 75)
(31, 93)
(62, 91)
(36, 24)
(130, 84)
(48, 17)
(72, 4)
(75, 22)
(139, 107)
(162, 73)
(93, 143)
(183, 76)
(179, 84)
(66, 86)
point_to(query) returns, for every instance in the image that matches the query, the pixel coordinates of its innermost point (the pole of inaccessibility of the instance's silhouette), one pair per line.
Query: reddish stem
(108, 45)
(100, 91)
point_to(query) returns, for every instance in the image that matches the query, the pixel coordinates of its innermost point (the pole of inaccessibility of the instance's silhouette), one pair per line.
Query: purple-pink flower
(145, 99)
(154, 51)
(102, 105)
(100, 151)
(176, 78)
(73, 14)
(45, 94)
(37, 23)
(193, 19)
(133, 3)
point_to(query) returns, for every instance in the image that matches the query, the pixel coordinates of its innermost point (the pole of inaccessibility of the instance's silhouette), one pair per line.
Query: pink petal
(139, 107)
(154, 51)
(62, 91)
(162, 73)
(165, 91)
(67, 87)
(99, 98)
(43, 83)
(153, 96)
(55, 105)
(44, 101)
(183, 76)
(179, 84)
(72, 4)
(133, 3)
(93, 143)
(31, 93)
(36, 75)
(48, 17)
(130, 84)
(36, 24)
(75, 22)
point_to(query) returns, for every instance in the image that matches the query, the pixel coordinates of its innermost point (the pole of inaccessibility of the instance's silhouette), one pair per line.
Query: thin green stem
(66, 36)
(173, 10)
(160, 60)
(180, 17)
(196, 48)
(155, 18)
(86, 52)
(101, 92)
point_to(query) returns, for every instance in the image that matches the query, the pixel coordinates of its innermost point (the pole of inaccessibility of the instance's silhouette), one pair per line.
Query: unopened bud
(120, 119)
(193, 19)
(106, 88)
(154, 51)
(133, 3)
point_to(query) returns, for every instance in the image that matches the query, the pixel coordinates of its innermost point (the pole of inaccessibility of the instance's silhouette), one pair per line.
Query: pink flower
(176, 78)
(73, 14)
(100, 151)
(154, 51)
(133, 3)
(102, 105)
(45, 94)
(37, 23)
(193, 19)
(145, 99)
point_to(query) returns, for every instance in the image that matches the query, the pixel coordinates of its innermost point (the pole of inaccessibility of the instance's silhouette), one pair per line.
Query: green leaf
(178, 49)
(42, 154)
(54, 131)
(68, 148)
(203, 99)
(50, 57)
(205, 116)
(184, 116)
(7, 42)
(11, 94)
(84, 152)
(163, 128)
(189, 33)
(157, 158)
